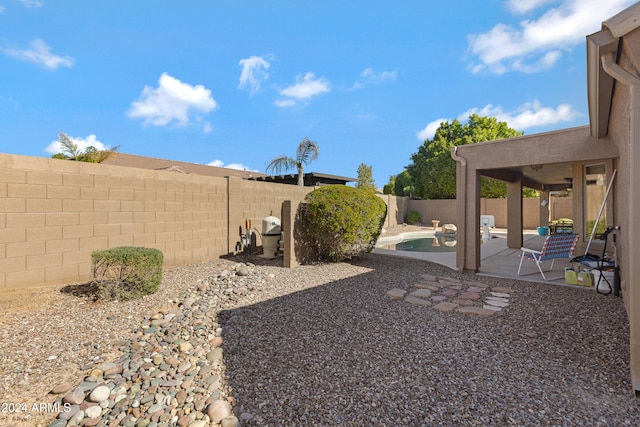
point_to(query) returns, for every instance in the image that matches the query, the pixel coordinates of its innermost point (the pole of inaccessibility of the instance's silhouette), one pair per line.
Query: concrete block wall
(445, 210)
(441, 210)
(55, 213)
(254, 200)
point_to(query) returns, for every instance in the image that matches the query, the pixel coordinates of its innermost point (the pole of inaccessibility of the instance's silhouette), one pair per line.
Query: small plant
(344, 221)
(126, 272)
(412, 217)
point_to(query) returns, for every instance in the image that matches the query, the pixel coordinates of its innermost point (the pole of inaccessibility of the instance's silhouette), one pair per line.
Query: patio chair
(555, 246)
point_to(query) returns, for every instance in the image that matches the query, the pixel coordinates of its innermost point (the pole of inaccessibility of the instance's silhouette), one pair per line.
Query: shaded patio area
(498, 260)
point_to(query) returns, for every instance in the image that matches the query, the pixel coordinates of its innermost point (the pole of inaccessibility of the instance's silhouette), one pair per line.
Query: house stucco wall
(627, 180)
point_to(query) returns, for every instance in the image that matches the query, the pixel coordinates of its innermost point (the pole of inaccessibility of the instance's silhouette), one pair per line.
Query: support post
(514, 214)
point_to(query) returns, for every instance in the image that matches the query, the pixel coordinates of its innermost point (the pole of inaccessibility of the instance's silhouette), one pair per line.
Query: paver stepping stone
(469, 295)
(428, 277)
(478, 285)
(491, 307)
(449, 279)
(474, 289)
(477, 311)
(462, 301)
(498, 299)
(396, 293)
(445, 306)
(429, 286)
(450, 293)
(455, 287)
(502, 289)
(421, 293)
(438, 298)
(417, 301)
(500, 294)
(497, 303)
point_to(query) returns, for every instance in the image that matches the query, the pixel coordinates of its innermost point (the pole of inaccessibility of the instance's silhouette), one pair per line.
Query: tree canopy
(433, 170)
(399, 185)
(365, 178)
(306, 153)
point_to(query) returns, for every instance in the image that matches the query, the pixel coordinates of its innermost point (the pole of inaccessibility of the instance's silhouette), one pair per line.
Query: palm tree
(71, 151)
(307, 152)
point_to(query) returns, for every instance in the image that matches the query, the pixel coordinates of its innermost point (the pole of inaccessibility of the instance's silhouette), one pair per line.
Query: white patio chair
(555, 246)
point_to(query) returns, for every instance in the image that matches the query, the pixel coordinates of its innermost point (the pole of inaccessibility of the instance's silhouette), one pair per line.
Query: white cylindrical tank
(271, 233)
(271, 225)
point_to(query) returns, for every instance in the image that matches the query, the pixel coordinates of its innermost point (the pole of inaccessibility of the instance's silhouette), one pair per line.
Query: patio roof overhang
(543, 161)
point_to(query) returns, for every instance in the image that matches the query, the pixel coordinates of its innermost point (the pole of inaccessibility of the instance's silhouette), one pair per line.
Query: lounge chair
(555, 246)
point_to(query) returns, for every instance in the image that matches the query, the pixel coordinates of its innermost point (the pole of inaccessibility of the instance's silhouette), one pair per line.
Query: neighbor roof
(143, 162)
(310, 179)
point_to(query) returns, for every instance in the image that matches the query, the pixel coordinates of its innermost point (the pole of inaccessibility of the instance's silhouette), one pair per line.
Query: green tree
(71, 151)
(399, 185)
(389, 188)
(433, 170)
(365, 178)
(403, 184)
(306, 153)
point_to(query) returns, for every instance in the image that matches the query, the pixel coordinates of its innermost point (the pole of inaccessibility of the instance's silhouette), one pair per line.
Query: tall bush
(344, 221)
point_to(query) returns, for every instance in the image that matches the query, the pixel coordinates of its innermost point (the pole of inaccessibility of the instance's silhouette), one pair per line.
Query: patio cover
(542, 161)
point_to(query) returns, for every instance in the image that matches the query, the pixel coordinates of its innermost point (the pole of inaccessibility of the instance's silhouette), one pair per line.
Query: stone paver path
(447, 294)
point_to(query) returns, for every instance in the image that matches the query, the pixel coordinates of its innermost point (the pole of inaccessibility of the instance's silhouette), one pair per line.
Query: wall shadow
(346, 354)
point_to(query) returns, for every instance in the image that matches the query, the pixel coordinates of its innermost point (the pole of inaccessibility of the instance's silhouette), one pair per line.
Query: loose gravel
(345, 354)
(323, 345)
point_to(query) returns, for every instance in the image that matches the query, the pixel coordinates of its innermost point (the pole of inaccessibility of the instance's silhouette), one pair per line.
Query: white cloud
(379, 77)
(430, 130)
(528, 115)
(283, 103)
(524, 6)
(537, 44)
(40, 53)
(31, 3)
(171, 101)
(254, 72)
(369, 76)
(207, 127)
(236, 166)
(82, 143)
(305, 87)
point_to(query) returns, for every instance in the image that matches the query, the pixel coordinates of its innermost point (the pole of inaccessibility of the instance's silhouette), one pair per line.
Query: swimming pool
(419, 242)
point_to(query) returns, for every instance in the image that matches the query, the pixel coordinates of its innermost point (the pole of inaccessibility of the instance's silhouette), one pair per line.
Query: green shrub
(125, 272)
(344, 221)
(413, 217)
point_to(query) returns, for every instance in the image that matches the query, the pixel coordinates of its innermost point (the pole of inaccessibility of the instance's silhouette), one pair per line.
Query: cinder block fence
(55, 213)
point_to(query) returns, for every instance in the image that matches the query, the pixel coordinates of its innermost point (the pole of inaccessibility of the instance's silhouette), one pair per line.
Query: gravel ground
(344, 354)
(323, 345)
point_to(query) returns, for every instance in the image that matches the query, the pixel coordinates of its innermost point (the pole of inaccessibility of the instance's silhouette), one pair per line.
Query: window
(594, 198)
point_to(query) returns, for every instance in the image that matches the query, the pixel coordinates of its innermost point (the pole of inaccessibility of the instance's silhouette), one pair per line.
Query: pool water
(424, 244)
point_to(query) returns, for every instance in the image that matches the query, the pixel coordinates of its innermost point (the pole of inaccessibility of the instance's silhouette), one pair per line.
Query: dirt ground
(33, 299)
(27, 299)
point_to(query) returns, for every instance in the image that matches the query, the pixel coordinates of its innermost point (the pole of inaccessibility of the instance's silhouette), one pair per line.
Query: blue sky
(237, 83)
